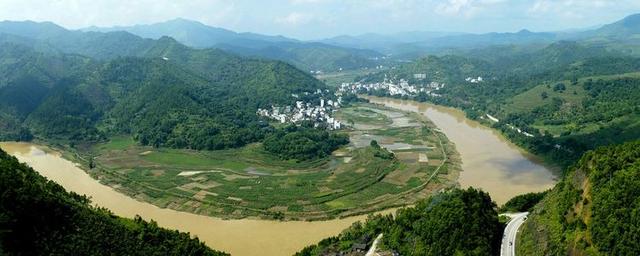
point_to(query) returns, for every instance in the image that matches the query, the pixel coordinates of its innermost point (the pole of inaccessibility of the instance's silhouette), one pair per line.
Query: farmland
(250, 182)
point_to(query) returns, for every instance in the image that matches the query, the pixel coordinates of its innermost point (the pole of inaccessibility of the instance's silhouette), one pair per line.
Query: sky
(315, 19)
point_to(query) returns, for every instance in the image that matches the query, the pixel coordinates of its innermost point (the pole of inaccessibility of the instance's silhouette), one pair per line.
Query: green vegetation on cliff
(592, 211)
(458, 222)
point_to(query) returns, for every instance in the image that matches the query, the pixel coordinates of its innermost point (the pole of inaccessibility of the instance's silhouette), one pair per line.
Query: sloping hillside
(592, 211)
(457, 222)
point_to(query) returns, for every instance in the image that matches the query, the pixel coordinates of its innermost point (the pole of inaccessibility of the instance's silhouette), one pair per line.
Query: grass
(118, 143)
(363, 115)
(248, 181)
(531, 99)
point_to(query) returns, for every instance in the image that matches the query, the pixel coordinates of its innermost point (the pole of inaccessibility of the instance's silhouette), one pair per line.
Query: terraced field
(249, 182)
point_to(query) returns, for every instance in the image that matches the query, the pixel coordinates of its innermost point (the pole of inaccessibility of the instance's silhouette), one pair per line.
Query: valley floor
(249, 182)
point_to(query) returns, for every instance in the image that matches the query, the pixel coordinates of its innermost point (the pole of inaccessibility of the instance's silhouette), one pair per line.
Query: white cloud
(307, 1)
(568, 6)
(295, 19)
(81, 13)
(465, 8)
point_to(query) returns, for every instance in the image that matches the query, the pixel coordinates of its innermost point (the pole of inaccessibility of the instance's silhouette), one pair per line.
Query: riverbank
(238, 237)
(489, 160)
(248, 182)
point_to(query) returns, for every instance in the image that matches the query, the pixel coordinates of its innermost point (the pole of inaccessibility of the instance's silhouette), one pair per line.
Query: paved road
(374, 246)
(508, 247)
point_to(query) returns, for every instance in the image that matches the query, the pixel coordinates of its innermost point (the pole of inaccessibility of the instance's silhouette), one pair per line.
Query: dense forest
(592, 211)
(38, 217)
(458, 222)
(59, 85)
(303, 142)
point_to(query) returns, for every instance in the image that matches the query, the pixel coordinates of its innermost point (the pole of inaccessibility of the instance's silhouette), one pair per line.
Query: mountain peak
(628, 26)
(632, 20)
(184, 21)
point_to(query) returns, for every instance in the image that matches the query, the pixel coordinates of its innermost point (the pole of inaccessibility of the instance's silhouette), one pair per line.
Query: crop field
(250, 182)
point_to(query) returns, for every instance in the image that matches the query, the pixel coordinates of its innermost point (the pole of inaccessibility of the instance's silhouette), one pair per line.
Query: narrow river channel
(489, 162)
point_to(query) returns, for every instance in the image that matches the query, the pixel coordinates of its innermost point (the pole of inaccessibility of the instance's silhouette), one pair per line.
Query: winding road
(374, 246)
(508, 247)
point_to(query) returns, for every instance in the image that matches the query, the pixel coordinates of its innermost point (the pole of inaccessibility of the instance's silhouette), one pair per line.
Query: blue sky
(313, 19)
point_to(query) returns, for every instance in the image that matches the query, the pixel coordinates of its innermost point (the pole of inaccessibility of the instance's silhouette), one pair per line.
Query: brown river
(489, 162)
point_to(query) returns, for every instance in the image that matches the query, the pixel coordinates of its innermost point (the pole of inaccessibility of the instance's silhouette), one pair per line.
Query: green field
(531, 99)
(250, 182)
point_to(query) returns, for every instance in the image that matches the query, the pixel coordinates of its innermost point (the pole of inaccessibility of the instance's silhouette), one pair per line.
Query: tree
(559, 87)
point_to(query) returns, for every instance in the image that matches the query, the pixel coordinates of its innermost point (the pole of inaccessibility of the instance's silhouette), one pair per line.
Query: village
(400, 88)
(320, 115)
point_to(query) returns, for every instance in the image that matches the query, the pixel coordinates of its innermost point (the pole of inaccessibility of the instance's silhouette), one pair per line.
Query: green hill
(592, 211)
(38, 217)
(166, 94)
(458, 222)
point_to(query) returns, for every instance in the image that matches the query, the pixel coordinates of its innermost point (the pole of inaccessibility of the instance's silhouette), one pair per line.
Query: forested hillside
(38, 217)
(592, 211)
(158, 91)
(458, 222)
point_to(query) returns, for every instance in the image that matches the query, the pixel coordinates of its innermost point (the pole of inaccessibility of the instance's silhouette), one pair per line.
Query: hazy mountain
(304, 55)
(384, 43)
(627, 27)
(623, 35)
(194, 34)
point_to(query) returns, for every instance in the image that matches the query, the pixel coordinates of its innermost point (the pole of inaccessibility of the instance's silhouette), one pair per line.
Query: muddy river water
(489, 162)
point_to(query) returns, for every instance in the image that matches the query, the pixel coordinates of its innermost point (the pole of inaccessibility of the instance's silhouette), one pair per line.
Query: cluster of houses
(320, 115)
(474, 80)
(401, 88)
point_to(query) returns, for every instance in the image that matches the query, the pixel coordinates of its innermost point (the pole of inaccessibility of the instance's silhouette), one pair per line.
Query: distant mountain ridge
(630, 25)
(192, 33)
(622, 35)
(304, 55)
